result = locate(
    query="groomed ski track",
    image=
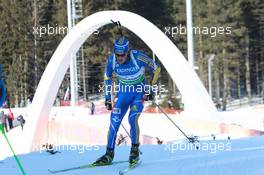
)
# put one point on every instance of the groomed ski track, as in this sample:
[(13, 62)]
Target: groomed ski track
[(240, 157)]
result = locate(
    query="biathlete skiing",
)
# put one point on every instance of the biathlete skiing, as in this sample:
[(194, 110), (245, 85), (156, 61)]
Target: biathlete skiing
[(129, 66)]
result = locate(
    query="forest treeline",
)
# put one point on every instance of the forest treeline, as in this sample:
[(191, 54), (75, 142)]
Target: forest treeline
[(232, 30)]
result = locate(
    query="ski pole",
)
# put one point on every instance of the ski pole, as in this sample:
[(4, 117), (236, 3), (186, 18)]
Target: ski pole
[(15, 156), (119, 27), (128, 134), (125, 130), (191, 140)]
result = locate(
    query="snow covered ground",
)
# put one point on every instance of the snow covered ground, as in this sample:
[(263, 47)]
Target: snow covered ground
[(250, 117), (241, 156), (219, 157)]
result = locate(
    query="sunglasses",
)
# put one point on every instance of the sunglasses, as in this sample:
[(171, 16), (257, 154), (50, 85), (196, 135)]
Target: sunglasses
[(120, 55)]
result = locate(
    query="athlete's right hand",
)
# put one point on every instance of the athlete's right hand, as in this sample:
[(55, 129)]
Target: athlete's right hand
[(108, 104)]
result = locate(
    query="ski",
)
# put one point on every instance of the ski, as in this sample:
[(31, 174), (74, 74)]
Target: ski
[(129, 168), (91, 165)]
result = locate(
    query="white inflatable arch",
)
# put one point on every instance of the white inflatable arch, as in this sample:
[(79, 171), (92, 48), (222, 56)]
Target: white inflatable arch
[(187, 81)]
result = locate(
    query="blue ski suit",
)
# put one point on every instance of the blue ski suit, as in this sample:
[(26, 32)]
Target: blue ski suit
[(130, 91), (2, 87)]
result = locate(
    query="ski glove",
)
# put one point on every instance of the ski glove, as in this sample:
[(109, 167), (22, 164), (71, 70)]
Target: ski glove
[(108, 104), (149, 97)]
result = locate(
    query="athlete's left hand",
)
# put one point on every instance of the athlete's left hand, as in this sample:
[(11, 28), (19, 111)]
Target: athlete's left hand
[(149, 96)]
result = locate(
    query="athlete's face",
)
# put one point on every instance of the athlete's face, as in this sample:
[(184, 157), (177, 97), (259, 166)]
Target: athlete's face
[(121, 58)]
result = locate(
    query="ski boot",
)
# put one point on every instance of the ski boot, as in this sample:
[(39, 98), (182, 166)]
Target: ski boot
[(106, 159), (134, 155)]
